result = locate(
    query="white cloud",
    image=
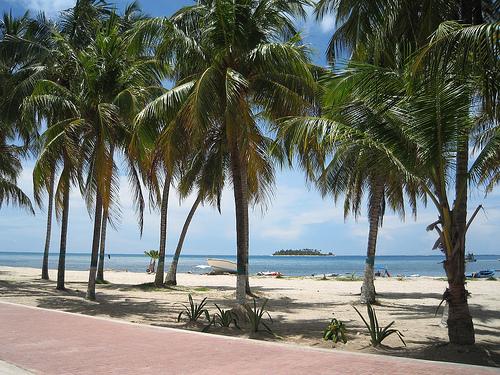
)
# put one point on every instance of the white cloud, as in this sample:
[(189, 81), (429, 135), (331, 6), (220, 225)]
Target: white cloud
[(48, 6)]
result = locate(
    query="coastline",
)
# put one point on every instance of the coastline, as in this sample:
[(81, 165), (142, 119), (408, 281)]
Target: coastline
[(301, 307)]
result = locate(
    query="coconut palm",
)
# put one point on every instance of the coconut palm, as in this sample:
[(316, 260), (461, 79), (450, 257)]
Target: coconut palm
[(240, 65), (201, 178), (132, 14), (440, 104), (108, 86), (337, 154), (10, 168), (11, 74), (153, 255)]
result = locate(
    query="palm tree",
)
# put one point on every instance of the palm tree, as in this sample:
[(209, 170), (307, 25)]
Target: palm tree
[(440, 105), (50, 199), (337, 154), (10, 168), (171, 278), (131, 15), (153, 255), (11, 75), (240, 65)]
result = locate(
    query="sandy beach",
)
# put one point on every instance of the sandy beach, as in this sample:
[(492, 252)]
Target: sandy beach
[(300, 307)]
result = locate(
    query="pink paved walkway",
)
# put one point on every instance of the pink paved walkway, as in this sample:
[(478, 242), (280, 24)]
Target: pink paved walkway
[(51, 342)]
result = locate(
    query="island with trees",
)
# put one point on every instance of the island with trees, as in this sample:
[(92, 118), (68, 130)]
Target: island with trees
[(303, 252)]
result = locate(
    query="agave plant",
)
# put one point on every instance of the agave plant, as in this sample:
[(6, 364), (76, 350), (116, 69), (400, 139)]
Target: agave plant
[(224, 318), (194, 311), (335, 331), (255, 316), (377, 333)]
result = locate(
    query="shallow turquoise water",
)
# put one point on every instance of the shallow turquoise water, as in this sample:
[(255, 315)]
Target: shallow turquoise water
[(287, 265)]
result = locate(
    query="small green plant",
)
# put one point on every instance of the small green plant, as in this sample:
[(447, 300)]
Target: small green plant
[(255, 316), (194, 311), (377, 333), (335, 331), (224, 318)]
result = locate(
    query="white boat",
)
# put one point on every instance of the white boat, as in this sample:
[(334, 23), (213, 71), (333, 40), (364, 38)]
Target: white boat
[(222, 265)]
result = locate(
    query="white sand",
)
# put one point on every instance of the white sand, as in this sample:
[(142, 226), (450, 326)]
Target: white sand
[(300, 307)]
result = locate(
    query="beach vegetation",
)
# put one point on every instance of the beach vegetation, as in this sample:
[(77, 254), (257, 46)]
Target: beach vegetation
[(335, 331), (224, 318), (256, 315), (377, 332), (237, 75), (194, 311), (153, 257)]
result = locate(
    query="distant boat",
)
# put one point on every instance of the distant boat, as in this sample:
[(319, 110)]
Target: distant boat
[(484, 274), (222, 265), (470, 258)]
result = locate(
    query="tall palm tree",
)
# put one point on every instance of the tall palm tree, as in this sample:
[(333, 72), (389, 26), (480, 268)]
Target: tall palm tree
[(240, 65), (377, 32), (338, 155), (131, 15)]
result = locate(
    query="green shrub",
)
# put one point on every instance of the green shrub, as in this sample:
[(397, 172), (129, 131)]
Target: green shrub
[(335, 331), (194, 311), (377, 333), (255, 316)]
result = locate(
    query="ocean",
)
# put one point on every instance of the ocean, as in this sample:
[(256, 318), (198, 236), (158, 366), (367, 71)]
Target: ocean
[(287, 265)]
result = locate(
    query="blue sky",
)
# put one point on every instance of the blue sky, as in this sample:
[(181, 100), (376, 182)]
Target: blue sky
[(296, 217)]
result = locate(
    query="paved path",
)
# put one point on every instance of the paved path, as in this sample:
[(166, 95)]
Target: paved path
[(52, 342)]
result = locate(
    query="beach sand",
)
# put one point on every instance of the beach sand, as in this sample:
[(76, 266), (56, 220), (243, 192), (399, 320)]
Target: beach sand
[(300, 307)]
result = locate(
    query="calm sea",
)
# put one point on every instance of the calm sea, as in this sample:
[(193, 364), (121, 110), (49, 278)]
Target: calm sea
[(287, 265)]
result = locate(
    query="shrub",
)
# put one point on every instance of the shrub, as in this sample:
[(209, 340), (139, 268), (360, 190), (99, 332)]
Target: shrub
[(194, 311), (255, 317), (335, 331), (377, 333)]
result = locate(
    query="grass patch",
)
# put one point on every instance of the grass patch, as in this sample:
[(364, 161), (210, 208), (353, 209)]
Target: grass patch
[(201, 289), (102, 282), (150, 287)]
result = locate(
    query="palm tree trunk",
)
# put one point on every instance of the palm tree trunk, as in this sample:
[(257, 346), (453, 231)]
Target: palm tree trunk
[(61, 268), (163, 231), (102, 246), (460, 325), (172, 272), (45, 263), (368, 287), (240, 189), (95, 247)]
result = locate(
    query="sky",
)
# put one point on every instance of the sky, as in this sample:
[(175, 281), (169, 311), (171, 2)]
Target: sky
[(296, 216)]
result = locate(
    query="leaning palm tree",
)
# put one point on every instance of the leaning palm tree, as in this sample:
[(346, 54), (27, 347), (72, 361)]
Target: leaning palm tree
[(240, 65), (202, 179)]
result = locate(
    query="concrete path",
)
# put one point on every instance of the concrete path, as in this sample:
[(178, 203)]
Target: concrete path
[(52, 342)]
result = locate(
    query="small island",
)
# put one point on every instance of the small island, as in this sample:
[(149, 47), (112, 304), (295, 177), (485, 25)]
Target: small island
[(302, 252)]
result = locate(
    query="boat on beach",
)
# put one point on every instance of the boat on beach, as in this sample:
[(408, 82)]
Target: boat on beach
[(484, 274), (222, 265)]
